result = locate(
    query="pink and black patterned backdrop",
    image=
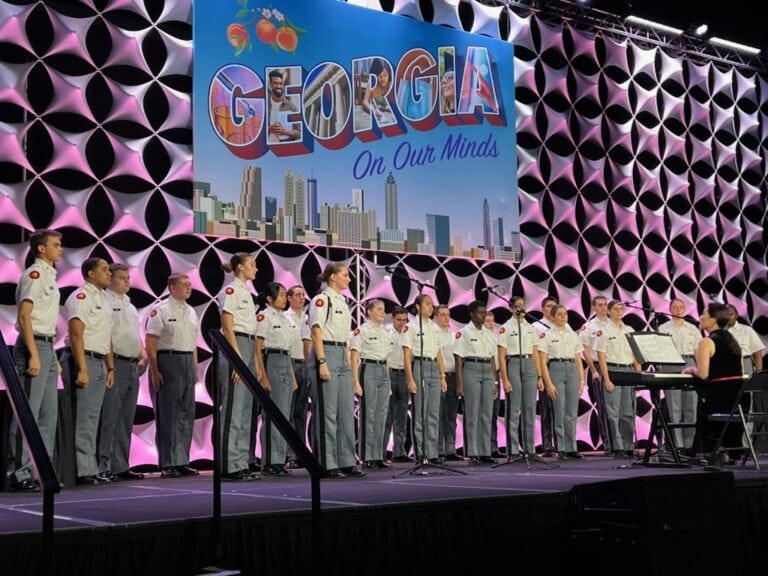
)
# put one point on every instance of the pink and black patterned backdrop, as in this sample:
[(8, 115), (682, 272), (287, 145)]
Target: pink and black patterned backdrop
[(641, 173)]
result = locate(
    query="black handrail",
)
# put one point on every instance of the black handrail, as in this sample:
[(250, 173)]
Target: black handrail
[(38, 454), (303, 454)]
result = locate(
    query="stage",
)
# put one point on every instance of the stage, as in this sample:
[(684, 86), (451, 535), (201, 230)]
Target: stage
[(591, 514)]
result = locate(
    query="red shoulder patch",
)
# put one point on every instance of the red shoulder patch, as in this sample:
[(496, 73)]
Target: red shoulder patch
[(542, 335), (34, 274), (356, 332), (320, 303), (599, 333), (458, 335), (81, 296), (260, 317), (583, 328), (502, 330), (229, 291), (153, 313)]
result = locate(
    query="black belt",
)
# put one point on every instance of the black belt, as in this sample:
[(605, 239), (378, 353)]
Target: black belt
[(298, 360), (244, 335), (42, 338), (560, 360), (518, 355), (126, 358), (369, 361), (397, 369), (277, 351), (687, 355), (96, 355), (174, 352), (424, 358), (478, 360), (616, 365), (334, 343)]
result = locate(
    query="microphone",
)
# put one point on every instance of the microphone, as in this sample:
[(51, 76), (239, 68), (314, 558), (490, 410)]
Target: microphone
[(490, 288), (518, 308)]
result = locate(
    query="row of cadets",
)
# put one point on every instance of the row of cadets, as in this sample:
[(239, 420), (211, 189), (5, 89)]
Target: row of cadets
[(563, 373), (238, 326), (370, 347), (333, 394), (514, 362), (449, 401), (273, 358), (475, 351), (171, 342), (397, 416), (615, 354), (681, 404), (425, 375)]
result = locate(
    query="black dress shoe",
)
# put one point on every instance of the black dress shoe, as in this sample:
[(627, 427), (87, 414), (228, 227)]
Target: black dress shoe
[(629, 453), (548, 453), (454, 457), (382, 465), (274, 470), (619, 454), (26, 485), (170, 473), (369, 464), (352, 472), (403, 458), (106, 476), (575, 455), (434, 461), (474, 461), (497, 454), (186, 470), (129, 475), (564, 456), (487, 459), (293, 465), (87, 480), (239, 476), (252, 475), (255, 466), (335, 473)]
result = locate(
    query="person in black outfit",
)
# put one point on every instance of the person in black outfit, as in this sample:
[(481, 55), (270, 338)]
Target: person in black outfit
[(718, 365)]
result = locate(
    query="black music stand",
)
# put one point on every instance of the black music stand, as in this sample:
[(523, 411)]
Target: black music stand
[(423, 466), (654, 348)]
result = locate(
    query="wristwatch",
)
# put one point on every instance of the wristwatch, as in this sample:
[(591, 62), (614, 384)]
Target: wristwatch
[(321, 360)]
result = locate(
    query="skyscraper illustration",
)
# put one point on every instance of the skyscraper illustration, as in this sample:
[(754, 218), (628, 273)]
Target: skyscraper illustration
[(390, 203), (249, 207)]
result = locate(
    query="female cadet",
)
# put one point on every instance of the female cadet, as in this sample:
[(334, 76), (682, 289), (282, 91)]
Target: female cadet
[(333, 393), (369, 347), (273, 356), (563, 372), (238, 325), (424, 372)]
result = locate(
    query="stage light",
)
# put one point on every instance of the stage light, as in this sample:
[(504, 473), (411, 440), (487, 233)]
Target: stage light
[(652, 24), (734, 45), (699, 30)]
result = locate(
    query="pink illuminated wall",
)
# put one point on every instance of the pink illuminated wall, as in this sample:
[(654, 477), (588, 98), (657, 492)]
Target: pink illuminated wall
[(641, 174)]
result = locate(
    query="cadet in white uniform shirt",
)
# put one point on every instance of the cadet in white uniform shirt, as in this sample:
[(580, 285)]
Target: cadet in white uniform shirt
[(171, 342), (615, 354), (397, 417), (37, 298), (749, 341), (298, 326), (545, 402), (521, 396), (273, 357), (475, 353), (588, 334), (425, 374), (449, 401), (561, 350), (90, 363), (333, 392), (238, 325), (681, 404), (119, 407), (370, 346)]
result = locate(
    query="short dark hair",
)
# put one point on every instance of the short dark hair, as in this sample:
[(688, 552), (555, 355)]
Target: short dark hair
[(398, 310), (40, 238), (475, 305), (118, 266), (275, 74), (90, 264)]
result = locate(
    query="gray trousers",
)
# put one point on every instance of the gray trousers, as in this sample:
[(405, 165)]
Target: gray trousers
[(43, 401), (87, 410), (681, 407), (335, 403), (175, 409), (620, 409), (449, 410), (521, 402), (397, 416), (236, 405), (426, 406), (374, 405), (478, 380), (299, 403), (566, 405), (280, 373), (117, 414)]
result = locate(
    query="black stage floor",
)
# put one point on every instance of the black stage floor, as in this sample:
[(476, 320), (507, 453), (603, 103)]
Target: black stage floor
[(90, 512)]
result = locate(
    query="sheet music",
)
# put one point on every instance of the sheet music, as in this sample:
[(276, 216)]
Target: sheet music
[(654, 348)]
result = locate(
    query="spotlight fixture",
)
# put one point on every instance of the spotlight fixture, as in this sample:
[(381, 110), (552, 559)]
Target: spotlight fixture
[(734, 45), (636, 20)]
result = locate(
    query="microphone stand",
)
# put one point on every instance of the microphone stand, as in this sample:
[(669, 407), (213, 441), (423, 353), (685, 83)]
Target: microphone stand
[(525, 457), (423, 461)]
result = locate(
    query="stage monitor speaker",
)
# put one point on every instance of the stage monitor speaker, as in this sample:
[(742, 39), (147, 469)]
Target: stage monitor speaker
[(673, 524)]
